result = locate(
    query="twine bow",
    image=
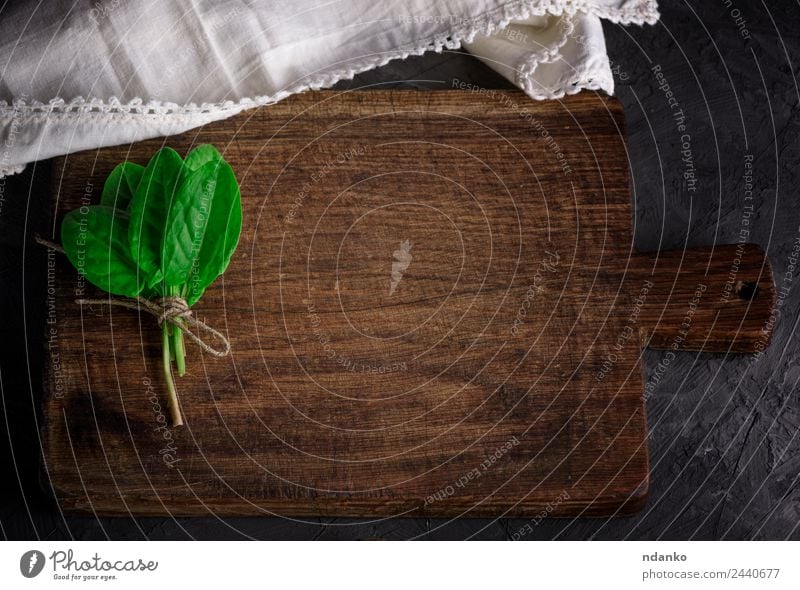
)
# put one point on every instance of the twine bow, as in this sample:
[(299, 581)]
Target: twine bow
[(174, 310)]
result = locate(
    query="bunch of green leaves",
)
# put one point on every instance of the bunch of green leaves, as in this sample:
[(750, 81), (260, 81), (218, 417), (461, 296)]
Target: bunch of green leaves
[(167, 229)]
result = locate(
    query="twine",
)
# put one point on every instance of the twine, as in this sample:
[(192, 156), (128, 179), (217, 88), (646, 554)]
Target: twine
[(173, 310)]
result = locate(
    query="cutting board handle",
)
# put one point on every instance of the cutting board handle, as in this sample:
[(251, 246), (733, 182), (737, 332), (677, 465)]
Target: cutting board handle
[(712, 299)]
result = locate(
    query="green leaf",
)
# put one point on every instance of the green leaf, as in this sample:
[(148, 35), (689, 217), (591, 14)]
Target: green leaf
[(203, 228), (149, 209), (221, 235), (202, 277), (121, 185), (202, 155), (95, 240), (168, 229), (153, 292)]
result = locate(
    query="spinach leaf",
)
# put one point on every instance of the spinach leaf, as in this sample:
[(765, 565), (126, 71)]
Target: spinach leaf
[(121, 184), (221, 235), (166, 230), (95, 240), (203, 228), (149, 208), (201, 155)]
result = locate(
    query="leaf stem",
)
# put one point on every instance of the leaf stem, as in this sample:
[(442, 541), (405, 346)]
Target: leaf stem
[(172, 348), (177, 341), (174, 409), (180, 353)]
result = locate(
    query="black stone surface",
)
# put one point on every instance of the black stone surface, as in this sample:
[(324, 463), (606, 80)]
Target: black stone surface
[(723, 428)]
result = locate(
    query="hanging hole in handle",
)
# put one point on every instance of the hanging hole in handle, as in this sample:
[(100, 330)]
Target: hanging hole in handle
[(747, 290)]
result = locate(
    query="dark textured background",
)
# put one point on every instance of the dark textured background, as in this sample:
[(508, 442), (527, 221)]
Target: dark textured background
[(724, 442)]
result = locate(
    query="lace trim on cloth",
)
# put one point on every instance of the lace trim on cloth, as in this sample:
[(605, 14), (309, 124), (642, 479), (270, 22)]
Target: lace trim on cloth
[(528, 66), (584, 78), (551, 52), (588, 76), (486, 24), (9, 170), (592, 78)]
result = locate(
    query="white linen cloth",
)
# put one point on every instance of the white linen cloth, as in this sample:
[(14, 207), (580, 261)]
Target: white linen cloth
[(79, 74)]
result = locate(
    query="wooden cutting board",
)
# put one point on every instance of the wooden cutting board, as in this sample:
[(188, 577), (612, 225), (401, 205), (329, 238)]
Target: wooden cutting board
[(435, 309)]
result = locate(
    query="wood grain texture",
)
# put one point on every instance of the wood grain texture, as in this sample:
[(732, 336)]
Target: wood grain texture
[(711, 299), (424, 307)]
